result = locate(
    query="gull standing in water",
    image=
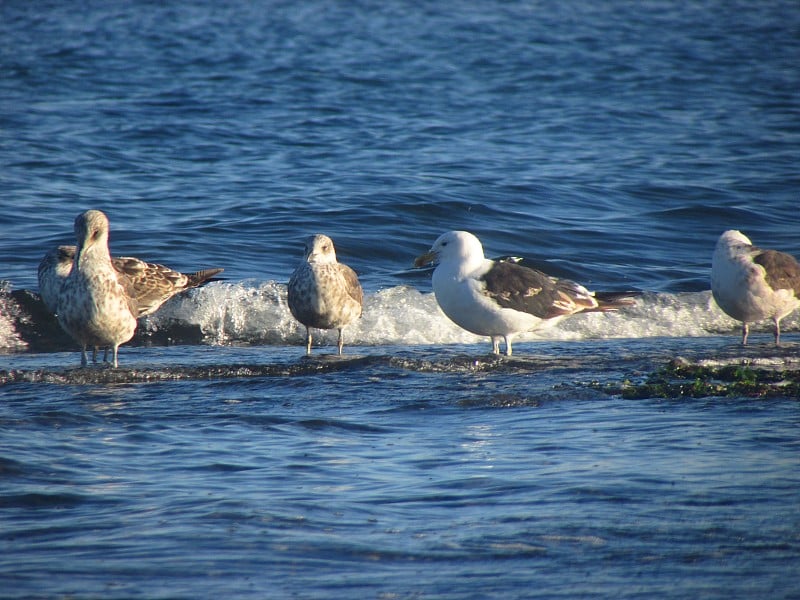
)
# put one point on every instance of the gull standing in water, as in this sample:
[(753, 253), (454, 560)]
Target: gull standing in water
[(96, 305), (751, 284), (323, 293), (500, 299)]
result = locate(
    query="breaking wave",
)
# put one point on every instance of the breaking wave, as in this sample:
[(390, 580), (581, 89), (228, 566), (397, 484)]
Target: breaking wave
[(256, 313)]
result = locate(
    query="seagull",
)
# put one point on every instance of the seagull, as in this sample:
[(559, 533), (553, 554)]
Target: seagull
[(323, 293), (153, 284), (500, 299), (750, 284), (96, 305)]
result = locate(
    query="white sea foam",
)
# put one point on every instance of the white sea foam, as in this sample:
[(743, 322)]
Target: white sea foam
[(10, 340), (257, 312)]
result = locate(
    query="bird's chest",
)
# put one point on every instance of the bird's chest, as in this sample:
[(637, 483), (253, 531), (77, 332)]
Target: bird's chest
[(319, 284), (465, 301), (96, 305)]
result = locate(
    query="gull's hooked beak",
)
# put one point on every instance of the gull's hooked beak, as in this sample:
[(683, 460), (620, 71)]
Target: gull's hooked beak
[(423, 260)]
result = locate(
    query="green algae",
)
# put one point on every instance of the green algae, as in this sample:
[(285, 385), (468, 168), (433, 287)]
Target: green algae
[(682, 379)]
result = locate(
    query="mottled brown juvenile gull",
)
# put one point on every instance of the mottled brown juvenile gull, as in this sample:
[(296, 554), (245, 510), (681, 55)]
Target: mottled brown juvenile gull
[(95, 304), (323, 293), (152, 284), (751, 284), (500, 299)]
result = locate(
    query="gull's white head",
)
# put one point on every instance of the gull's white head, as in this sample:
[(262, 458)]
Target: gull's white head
[(458, 247), (733, 242), (319, 250)]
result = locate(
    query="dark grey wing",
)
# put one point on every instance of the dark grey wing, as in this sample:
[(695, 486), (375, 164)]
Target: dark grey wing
[(783, 270), (531, 291)]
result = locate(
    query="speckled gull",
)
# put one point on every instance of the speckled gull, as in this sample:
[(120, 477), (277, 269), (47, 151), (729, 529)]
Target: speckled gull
[(153, 284), (96, 305), (750, 284), (323, 293), (501, 299)]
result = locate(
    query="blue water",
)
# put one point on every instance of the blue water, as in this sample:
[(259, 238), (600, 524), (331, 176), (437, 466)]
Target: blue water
[(608, 142)]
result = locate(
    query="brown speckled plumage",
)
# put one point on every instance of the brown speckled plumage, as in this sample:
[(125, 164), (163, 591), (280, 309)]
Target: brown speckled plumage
[(323, 293), (152, 284), (95, 304)]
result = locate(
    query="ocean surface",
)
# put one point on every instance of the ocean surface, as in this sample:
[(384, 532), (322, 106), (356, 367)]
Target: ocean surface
[(608, 142)]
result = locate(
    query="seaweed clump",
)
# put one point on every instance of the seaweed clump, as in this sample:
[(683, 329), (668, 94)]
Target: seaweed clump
[(682, 379)]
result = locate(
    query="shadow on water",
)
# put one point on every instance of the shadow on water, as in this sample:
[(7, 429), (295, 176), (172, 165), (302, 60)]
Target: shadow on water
[(306, 366), (631, 369)]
